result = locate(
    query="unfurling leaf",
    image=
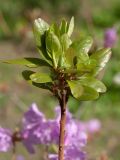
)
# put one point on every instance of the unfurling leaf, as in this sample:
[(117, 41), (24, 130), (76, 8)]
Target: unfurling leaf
[(65, 42), (71, 27), (63, 27), (53, 47), (55, 29), (39, 28)]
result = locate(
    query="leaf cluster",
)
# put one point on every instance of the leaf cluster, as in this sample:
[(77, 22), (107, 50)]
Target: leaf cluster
[(71, 68)]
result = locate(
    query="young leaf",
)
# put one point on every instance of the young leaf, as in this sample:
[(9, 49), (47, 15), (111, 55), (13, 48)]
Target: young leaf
[(55, 29), (86, 66), (102, 56), (39, 28), (83, 68), (63, 27), (40, 78), (26, 75), (44, 54), (93, 83), (83, 93), (70, 55), (89, 94), (71, 27), (65, 42), (76, 89), (53, 47), (29, 62), (82, 47)]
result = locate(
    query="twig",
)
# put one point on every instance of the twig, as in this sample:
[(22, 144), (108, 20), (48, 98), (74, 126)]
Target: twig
[(14, 152), (62, 126)]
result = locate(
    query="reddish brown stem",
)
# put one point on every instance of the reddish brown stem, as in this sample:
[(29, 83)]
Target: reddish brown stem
[(14, 152), (63, 102)]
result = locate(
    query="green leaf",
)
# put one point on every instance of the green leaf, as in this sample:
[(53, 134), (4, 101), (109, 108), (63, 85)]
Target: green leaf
[(44, 54), (53, 47), (76, 89), (52, 44), (102, 56), (82, 66), (40, 78), (70, 71), (89, 94), (26, 75), (86, 66), (71, 27), (70, 55), (93, 83), (47, 85), (39, 29), (63, 27), (82, 47), (65, 42), (92, 63), (83, 93), (29, 62), (55, 29)]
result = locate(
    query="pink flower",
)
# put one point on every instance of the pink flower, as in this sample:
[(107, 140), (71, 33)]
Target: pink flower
[(110, 37)]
